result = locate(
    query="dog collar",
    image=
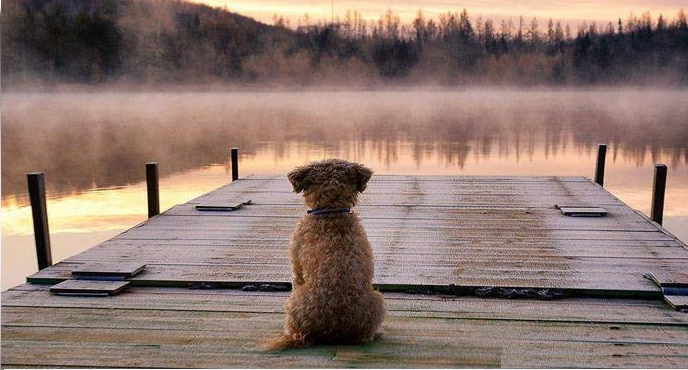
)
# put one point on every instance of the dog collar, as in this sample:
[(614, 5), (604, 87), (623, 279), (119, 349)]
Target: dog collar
[(324, 211)]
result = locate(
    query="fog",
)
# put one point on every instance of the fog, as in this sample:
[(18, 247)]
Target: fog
[(101, 139)]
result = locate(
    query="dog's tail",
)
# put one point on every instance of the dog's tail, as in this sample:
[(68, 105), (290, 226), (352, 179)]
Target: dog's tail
[(284, 341)]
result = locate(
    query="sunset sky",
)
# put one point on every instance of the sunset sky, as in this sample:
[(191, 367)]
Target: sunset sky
[(573, 11)]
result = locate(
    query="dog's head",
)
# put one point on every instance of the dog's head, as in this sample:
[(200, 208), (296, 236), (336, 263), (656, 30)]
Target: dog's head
[(330, 183)]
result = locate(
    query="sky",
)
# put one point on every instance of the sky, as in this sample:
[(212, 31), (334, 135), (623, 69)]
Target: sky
[(574, 11)]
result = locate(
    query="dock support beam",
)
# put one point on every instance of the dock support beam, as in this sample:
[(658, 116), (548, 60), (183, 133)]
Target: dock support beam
[(153, 189), (39, 212), (658, 188), (235, 164), (599, 168)]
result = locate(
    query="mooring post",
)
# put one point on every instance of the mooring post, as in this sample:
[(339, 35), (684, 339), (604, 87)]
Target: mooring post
[(599, 168), (658, 188), (39, 212), (235, 164), (153, 189)]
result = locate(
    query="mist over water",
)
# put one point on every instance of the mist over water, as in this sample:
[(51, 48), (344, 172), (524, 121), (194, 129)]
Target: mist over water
[(92, 140), (93, 146)]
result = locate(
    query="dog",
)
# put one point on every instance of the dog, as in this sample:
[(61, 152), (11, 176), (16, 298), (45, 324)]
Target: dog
[(332, 299)]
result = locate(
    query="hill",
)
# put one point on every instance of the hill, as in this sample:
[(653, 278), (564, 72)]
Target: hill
[(91, 41)]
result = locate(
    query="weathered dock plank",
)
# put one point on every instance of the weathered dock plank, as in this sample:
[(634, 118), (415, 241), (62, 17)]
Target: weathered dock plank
[(427, 232), (465, 242), (153, 327), (580, 276), (263, 248), (573, 309)]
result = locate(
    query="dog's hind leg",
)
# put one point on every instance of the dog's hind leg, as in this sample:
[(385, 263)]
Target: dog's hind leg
[(380, 311), (368, 327)]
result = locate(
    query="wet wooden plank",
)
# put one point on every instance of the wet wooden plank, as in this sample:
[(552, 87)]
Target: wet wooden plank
[(423, 185), (171, 328), (541, 199), (435, 352), (508, 191), (459, 178), (404, 257), (573, 309), (443, 178), (415, 245), (486, 244), (238, 230), (373, 225), (214, 326), (610, 277), (249, 251), (422, 212)]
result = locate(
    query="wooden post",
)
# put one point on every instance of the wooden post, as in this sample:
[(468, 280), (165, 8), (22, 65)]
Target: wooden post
[(658, 187), (235, 164), (153, 190), (39, 212), (599, 168)]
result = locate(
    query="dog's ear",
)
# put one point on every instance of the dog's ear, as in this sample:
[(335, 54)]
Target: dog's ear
[(299, 178), (362, 175)]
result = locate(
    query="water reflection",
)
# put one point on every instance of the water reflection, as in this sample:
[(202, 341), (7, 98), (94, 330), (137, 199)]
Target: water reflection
[(92, 147), (86, 141)]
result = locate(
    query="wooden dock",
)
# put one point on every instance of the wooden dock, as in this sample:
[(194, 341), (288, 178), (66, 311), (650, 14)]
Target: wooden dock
[(448, 250)]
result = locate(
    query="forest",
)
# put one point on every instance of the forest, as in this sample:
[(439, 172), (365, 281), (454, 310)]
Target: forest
[(169, 42)]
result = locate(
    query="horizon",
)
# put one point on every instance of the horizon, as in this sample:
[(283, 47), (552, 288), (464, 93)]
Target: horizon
[(573, 12)]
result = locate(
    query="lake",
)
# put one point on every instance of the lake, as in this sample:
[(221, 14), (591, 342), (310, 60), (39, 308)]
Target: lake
[(92, 147)]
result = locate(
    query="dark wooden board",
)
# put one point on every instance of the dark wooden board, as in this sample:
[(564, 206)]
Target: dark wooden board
[(670, 278), (109, 269), (677, 302), (583, 211), (223, 205), (89, 287)]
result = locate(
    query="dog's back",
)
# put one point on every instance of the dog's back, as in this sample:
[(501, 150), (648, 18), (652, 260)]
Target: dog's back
[(332, 300), (336, 301)]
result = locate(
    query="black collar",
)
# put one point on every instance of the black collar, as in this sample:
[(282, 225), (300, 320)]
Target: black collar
[(324, 211)]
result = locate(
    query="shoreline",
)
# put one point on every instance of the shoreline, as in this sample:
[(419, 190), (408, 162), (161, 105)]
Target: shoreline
[(266, 88)]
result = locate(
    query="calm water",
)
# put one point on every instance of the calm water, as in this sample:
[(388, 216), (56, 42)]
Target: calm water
[(93, 146)]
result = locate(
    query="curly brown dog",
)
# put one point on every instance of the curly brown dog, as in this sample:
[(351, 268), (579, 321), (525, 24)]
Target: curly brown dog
[(332, 300)]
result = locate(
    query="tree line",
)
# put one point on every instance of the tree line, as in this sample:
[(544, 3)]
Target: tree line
[(173, 42)]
